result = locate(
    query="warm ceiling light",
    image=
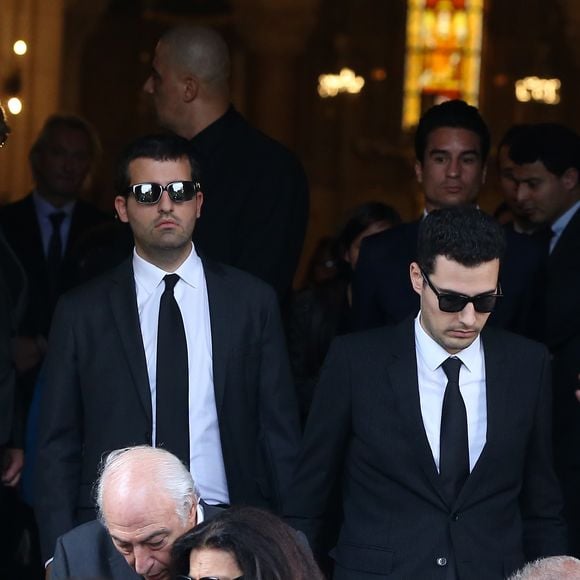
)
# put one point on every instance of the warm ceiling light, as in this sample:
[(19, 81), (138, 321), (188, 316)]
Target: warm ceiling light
[(345, 82), (14, 105), (20, 47)]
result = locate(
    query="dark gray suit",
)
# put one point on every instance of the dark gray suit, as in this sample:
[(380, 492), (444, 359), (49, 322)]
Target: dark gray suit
[(87, 553), (366, 420), (97, 396)]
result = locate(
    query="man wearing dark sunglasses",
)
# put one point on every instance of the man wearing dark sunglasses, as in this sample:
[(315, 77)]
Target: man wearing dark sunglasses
[(441, 428), (452, 143), (168, 349)]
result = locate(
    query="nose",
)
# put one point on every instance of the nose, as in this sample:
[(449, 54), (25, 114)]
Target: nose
[(467, 315), (148, 85), (453, 167), (522, 191), (142, 561), (164, 205)]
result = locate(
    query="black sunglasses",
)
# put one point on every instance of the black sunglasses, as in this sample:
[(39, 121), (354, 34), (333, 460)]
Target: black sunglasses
[(178, 191), (455, 302)]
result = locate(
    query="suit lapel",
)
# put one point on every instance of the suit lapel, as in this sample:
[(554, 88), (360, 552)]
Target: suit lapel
[(402, 372), (219, 313), (123, 301)]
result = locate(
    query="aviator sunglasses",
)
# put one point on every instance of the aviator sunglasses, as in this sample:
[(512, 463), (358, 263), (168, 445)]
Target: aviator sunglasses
[(455, 302), (150, 193)]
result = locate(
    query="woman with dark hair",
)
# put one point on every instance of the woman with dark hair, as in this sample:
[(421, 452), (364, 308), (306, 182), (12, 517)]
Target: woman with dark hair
[(322, 311), (243, 542)]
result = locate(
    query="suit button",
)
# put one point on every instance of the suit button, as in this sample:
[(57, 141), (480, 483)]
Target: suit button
[(441, 561), (455, 517)]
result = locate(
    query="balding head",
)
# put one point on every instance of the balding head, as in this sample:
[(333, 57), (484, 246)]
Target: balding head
[(553, 568), (189, 81), (146, 499)]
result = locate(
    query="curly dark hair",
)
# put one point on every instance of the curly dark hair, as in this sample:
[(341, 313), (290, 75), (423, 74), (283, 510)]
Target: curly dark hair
[(264, 547), (463, 234)]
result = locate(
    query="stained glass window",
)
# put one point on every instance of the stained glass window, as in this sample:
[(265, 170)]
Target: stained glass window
[(443, 54)]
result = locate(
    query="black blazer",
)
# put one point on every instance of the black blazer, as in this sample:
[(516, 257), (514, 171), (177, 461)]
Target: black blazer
[(382, 292), (366, 416), (20, 226), (88, 552), (97, 395)]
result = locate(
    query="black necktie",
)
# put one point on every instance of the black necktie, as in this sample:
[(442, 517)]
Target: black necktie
[(454, 448), (172, 383), (54, 255)]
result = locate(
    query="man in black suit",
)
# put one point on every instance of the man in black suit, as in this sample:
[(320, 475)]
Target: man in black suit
[(547, 173), (43, 227), (451, 147), (146, 498), (441, 427), (214, 388), (256, 193)]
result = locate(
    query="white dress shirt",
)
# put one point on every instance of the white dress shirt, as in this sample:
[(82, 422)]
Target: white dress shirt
[(206, 458), (432, 382), (43, 212), (560, 224)]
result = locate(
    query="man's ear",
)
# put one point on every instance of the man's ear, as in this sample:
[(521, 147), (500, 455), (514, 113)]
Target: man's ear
[(190, 89), (121, 208), (199, 202), (419, 171), (416, 277), (569, 178), (484, 174)]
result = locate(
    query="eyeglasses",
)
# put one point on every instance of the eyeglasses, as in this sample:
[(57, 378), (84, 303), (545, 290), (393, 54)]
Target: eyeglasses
[(207, 578), (455, 302), (150, 193)]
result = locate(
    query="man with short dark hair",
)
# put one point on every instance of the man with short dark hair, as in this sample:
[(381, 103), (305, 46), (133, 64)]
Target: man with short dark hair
[(547, 174), (451, 148), (146, 499), (440, 425), (256, 193), (167, 349)]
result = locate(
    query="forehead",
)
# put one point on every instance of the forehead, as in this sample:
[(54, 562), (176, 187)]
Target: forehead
[(469, 280), (134, 517), (453, 139), (68, 137), (163, 171)]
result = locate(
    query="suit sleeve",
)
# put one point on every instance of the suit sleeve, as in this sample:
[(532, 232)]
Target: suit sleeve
[(541, 499), (6, 369), (59, 434), (326, 436), (279, 419)]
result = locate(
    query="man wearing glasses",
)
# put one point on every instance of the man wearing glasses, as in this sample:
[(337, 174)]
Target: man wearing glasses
[(440, 425), (168, 349)]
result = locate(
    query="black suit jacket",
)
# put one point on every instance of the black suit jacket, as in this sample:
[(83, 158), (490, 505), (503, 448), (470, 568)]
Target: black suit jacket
[(97, 395), (255, 207), (397, 522), (382, 291), (87, 553), (20, 226)]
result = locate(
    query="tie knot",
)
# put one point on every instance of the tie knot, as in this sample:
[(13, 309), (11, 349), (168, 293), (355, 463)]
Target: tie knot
[(170, 282), (56, 219), (451, 368)]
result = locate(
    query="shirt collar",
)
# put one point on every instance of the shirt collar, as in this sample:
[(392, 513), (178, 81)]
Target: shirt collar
[(149, 276), (45, 209), (433, 354), (560, 224)]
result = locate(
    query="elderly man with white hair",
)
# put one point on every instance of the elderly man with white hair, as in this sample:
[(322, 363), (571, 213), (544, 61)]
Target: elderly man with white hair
[(146, 499), (553, 568)]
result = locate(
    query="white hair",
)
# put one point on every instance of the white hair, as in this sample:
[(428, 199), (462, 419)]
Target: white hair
[(164, 471), (552, 568)]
